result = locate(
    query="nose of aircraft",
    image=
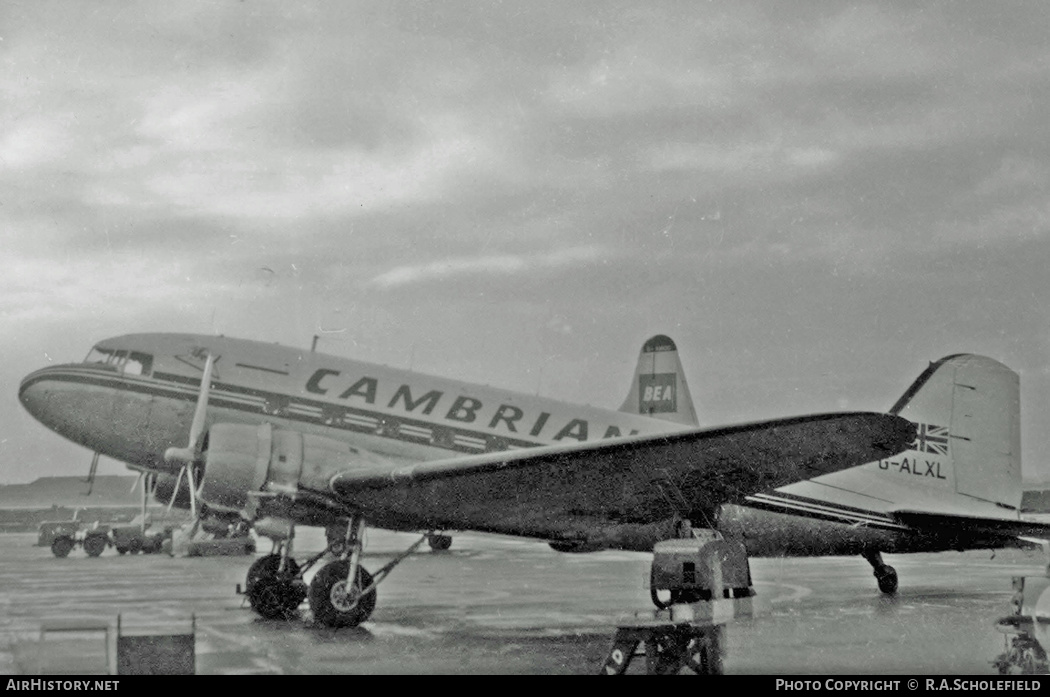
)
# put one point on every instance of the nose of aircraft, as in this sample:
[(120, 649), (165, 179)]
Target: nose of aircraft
[(39, 391), (32, 393)]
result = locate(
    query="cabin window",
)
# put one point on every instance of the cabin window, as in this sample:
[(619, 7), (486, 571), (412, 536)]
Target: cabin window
[(138, 364)]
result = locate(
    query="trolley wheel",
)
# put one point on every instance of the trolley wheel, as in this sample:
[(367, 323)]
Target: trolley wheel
[(94, 545), (61, 547)]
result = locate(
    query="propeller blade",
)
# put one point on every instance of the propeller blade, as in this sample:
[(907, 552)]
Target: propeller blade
[(193, 491), (202, 404), (175, 492), (188, 455)]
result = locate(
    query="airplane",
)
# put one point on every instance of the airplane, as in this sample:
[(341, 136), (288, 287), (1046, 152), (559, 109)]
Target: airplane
[(283, 437)]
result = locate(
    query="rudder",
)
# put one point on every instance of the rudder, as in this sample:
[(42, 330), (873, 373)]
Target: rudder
[(659, 387), (967, 408)]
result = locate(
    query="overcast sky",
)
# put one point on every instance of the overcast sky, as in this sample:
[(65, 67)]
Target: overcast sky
[(813, 199)]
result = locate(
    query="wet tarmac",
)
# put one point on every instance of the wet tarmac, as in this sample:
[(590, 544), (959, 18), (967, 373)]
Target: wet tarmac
[(501, 605)]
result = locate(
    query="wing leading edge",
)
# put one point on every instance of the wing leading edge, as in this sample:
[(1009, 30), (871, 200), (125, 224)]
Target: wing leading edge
[(608, 491)]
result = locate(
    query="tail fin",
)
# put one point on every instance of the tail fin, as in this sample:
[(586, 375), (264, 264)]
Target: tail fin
[(968, 411), (659, 389)]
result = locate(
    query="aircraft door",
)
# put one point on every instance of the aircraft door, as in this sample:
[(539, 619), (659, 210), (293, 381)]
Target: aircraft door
[(985, 439)]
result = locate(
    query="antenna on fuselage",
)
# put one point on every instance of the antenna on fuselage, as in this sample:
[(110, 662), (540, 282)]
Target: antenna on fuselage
[(313, 346)]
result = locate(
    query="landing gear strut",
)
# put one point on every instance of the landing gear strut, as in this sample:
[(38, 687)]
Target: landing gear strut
[(338, 603), (341, 594), (885, 575)]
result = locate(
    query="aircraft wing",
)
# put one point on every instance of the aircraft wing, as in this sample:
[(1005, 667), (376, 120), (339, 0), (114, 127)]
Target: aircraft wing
[(970, 527), (589, 491)]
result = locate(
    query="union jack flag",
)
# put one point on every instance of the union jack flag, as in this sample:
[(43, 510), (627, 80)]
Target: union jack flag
[(931, 439)]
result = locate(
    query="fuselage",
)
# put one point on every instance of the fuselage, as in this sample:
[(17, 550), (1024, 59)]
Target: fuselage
[(134, 397)]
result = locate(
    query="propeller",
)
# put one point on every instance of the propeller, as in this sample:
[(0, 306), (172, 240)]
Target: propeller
[(187, 457), (148, 481)]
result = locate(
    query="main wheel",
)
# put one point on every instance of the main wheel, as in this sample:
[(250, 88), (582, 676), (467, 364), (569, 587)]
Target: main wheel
[(61, 547), (887, 579), (439, 543), (272, 594), (333, 604), (135, 545), (94, 545)]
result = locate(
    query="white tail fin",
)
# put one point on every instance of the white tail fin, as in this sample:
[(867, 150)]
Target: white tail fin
[(968, 411), (965, 460), (659, 389)]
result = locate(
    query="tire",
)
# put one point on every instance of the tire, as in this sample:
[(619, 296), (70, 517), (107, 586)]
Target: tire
[(122, 551), (439, 543), (94, 545), (135, 545), (887, 580), (273, 596), (328, 597), (61, 547)]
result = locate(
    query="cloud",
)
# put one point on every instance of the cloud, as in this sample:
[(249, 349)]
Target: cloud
[(777, 159), (501, 170), (492, 266)]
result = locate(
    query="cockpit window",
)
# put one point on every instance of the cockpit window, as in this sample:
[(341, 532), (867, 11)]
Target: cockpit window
[(104, 356), (130, 363)]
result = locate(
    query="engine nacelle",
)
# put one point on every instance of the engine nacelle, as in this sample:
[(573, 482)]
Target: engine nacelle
[(165, 488), (244, 460)]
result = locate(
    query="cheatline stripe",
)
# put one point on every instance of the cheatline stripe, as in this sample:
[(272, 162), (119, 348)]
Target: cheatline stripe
[(821, 509), (785, 496), (818, 505)]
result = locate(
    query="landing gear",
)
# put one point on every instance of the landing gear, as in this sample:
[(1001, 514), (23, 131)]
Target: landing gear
[(341, 594), (274, 592), (439, 543), (338, 603), (885, 575)]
